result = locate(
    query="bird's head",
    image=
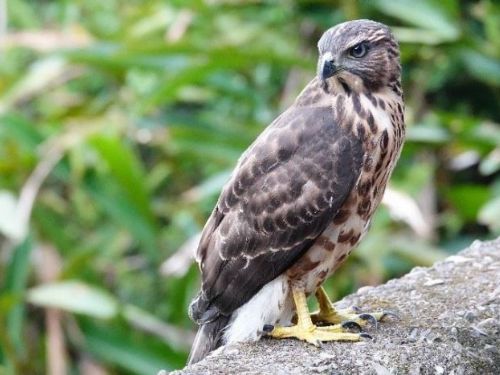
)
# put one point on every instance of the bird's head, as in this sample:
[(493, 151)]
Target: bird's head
[(359, 50)]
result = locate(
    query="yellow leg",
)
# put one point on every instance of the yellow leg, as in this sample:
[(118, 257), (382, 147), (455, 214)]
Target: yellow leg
[(329, 315), (305, 329)]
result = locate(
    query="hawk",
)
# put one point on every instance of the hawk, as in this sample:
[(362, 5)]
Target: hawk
[(301, 197)]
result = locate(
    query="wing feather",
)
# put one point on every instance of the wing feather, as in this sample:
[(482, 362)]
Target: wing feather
[(285, 190)]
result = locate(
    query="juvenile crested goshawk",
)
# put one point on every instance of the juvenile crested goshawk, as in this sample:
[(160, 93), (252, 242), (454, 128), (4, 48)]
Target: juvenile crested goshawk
[(301, 197)]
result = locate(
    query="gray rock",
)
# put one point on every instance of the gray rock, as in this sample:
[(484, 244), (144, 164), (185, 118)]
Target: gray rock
[(449, 324)]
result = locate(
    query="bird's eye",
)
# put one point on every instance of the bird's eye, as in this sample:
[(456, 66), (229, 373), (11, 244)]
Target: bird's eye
[(359, 50)]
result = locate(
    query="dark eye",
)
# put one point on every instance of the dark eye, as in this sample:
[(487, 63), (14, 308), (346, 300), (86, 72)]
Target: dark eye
[(359, 50)]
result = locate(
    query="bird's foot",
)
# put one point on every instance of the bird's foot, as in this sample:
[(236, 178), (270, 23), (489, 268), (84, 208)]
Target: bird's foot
[(341, 322), (315, 334), (348, 318)]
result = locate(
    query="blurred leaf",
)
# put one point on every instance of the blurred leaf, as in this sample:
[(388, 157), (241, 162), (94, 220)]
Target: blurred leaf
[(16, 127), (427, 134), (486, 132), (128, 172), (425, 13), (16, 281), (221, 59), (491, 163), (121, 349), (10, 225), (418, 252), (110, 197), (41, 74), (489, 214), (414, 35), (482, 67), (467, 199), (173, 336), (74, 296), (209, 187)]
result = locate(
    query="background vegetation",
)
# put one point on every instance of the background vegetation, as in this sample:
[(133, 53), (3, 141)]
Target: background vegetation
[(120, 121)]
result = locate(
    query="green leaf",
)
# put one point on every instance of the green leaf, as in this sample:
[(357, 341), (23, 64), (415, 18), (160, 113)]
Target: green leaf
[(209, 187), (127, 170), (109, 195), (484, 68), (22, 131), (491, 163), (10, 224), (417, 35), (467, 199), (489, 214), (76, 297), (16, 280), (173, 336), (427, 134), (426, 14), (123, 350), (41, 74)]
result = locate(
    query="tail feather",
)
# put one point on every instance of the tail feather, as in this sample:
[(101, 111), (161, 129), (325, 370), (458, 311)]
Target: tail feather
[(208, 338)]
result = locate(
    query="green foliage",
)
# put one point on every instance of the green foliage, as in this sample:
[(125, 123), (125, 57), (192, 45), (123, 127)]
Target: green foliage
[(120, 121)]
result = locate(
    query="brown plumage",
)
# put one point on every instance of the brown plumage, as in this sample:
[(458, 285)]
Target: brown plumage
[(303, 193)]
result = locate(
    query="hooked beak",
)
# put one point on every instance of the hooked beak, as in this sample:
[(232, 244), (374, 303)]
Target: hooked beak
[(327, 67)]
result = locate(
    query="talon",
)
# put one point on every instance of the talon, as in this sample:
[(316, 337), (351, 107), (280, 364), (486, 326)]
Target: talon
[(356, 309), (350, 324), (385, 314), (311, 328), (369, 318), (268, 328), (365, 335), (305, 329)]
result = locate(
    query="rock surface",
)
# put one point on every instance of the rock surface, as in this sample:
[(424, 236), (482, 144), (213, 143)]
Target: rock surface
[(449, 324)]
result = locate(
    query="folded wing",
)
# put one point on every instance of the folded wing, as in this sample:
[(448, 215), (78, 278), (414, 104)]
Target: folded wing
[(284, 192)]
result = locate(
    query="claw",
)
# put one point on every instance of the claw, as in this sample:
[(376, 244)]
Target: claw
[(369, 318), (350, 324), (268, 328), (356, 309), (385, 314), (365, 335)]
